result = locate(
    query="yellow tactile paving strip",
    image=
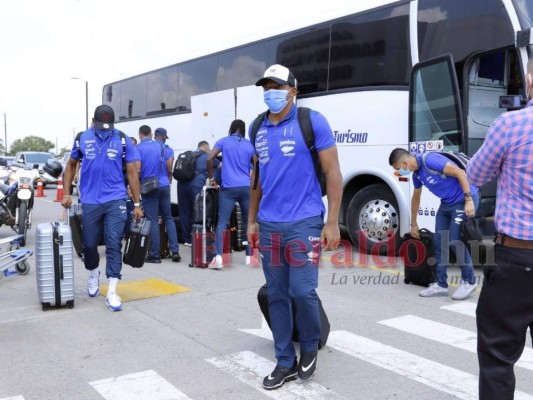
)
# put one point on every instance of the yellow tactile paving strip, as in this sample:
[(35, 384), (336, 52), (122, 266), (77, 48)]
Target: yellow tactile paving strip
[(145, 289)]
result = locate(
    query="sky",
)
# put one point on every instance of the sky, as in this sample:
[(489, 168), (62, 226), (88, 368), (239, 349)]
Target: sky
[(46, 43)]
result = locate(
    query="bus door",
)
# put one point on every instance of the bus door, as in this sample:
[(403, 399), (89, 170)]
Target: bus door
[(491, 80), (435, 120)]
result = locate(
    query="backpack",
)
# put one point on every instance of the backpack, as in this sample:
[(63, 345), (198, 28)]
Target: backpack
[(461, 159), (185, 166), (304, 120)]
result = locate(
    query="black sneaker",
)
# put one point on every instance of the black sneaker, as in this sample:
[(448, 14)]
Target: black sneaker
[(279, 376), (176, 257), (152, 260), (307, 366)]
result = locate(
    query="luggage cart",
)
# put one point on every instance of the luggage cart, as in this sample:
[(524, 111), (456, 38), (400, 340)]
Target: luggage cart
[(17, 257)]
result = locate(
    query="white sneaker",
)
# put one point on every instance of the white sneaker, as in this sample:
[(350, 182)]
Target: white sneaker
[(113, 301), (216, 263), (93, 285), (464, 291), (187, 244), (248, 261), (434, 290)]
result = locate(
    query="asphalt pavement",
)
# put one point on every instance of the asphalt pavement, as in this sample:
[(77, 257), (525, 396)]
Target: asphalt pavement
[(210, 342)]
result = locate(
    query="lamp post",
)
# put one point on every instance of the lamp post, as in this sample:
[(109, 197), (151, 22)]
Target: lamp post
[(86, 100)]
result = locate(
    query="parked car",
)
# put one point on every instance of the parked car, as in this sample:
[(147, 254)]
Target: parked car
[(31, 158), (6, 161)]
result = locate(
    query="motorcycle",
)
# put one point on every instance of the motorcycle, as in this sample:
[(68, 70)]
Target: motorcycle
[(16, 203)]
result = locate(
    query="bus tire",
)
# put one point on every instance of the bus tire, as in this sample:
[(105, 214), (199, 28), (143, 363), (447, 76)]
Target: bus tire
[(373, 217)]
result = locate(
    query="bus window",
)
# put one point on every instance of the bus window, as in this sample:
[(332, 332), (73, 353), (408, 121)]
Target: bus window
[(162, 91), (462, 28), (196, 77), (133, 98), (435, 112), (371, 49), (306, 53), (241, 67)]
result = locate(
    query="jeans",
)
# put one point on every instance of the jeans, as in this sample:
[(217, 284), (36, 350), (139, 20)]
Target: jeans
[(227, 197), (186, 196), (290, 252), (504, 312), (108, 219), (155, 205), (448, 235)]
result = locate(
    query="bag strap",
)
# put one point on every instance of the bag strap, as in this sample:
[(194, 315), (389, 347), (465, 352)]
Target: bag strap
[(306, 127), (122, 141)]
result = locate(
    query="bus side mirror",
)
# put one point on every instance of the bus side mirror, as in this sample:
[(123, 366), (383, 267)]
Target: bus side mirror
[(512, 102)]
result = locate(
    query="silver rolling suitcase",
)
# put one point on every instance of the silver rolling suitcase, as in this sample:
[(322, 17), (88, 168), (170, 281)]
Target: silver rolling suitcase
[(54, 265)]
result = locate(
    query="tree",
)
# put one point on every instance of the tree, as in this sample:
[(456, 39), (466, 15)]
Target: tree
[(63, 151), (31, 143)]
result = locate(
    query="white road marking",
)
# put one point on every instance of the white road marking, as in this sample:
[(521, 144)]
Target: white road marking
[(263, 332), (463, 307), (251, 368), (441, 377), (146, 385), (446, 334), (14, 398)]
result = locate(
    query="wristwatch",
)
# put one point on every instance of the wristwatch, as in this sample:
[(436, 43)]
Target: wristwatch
[(467, 194), (136, 204)]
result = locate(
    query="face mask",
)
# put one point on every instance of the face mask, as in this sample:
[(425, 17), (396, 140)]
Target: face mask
[(276, 99), (404, 172)]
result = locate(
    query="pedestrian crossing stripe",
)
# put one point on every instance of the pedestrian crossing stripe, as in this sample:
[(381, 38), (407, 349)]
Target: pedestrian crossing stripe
[(438, 376), (250, 368), (464, 307), (146, 385), (447, 334), (14, 398)]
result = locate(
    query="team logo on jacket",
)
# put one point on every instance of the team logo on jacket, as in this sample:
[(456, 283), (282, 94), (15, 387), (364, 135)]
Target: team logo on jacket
[(112, 154), (287, 147)]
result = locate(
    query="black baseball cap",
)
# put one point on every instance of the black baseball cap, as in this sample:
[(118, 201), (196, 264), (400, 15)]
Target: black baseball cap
[(104, 117)]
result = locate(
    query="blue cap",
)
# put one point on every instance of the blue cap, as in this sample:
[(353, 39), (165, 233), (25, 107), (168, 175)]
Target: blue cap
[(161, 132)]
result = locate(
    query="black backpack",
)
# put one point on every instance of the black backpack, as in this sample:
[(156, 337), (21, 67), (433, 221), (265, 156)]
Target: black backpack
[(304, 120), (185, 166)]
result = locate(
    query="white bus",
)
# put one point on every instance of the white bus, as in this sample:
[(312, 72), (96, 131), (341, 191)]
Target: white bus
[(421, 73)]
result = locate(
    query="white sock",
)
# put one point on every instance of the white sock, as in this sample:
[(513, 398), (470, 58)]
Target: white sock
[(112, 285), (94, 273)]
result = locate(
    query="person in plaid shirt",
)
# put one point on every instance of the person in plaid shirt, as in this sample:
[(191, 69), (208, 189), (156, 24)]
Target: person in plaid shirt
[(505, 306)]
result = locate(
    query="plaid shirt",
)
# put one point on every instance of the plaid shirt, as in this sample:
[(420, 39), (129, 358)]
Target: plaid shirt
[(508, 152)]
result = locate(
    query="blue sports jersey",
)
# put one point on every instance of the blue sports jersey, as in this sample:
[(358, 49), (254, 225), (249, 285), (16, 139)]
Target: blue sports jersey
[(102, 174), (237, 153), (446, 188), (150, 152), (291, 190)]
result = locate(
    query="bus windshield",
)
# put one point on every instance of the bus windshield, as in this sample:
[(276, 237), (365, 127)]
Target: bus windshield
[(524, 9)]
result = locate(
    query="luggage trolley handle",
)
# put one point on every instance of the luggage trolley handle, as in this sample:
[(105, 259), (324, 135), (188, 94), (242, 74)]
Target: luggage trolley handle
[(204, 218)]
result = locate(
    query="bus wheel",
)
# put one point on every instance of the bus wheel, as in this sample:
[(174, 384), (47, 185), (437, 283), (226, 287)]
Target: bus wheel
[(373, 221)]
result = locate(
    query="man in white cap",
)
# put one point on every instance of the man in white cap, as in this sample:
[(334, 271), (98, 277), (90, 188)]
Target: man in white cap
[(287, 211)]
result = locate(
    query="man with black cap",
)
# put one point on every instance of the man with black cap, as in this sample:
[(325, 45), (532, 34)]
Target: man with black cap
[(156, 159), (286, 217), (104, 150)]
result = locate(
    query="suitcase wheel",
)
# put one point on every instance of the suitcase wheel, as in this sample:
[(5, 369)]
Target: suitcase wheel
[(23, 268), (70, 304), (406, 281), (45, 306)]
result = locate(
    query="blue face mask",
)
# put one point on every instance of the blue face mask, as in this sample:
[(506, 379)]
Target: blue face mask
[(404, 172), (276, 99)]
